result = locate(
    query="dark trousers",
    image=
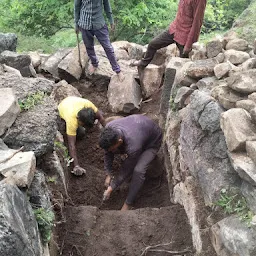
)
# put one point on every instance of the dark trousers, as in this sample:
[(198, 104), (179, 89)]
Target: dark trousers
[(140, 168), (103, 37), (160, 41)]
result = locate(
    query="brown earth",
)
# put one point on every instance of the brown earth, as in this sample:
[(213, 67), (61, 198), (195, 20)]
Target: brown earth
[(88, 230)]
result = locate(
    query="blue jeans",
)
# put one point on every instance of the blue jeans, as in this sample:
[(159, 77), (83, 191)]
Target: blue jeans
[(103, 37)]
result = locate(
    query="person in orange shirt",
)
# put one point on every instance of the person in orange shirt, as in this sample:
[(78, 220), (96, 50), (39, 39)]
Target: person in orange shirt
[(184, 31), (77, 113)]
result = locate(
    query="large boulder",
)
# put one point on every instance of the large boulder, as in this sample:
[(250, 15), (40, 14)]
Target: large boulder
[(23, 87), (237, 44), (237, 127), (235, 236), (203, 151), (9, 109), (213, 48), (201, 68), (244, 166), (19, 234), (70, 68), (35, 129), (244, 82), (226, 96), (8, 42), (50, 65), (151, 79), (22, 62), (62, 90), (124, 97), (236, 57), (17, 167)]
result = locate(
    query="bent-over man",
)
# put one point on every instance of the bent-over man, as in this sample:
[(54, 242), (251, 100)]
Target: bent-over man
[(138, 137), (78, 113)]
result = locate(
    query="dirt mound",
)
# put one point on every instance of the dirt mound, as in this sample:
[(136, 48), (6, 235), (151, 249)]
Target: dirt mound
[(92, 232)]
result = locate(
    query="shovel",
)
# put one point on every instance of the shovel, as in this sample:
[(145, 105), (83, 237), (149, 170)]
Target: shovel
[(79, 53)]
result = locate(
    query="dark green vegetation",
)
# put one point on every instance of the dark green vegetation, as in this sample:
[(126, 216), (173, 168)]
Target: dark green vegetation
[(136, 20)]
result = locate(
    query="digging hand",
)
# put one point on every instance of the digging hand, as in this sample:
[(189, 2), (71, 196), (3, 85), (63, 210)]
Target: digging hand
[(78, 170), (107, 181), (107, 193)]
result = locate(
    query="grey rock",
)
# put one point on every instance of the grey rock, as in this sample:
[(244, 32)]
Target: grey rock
[(248, 105), (244, 166), (237, 44), (210, 117), (206, 158), (226, 96), (35, 129), (205, 153), (62, 90), (253, 115), (237, 237), (201, 68), (182, 95), (124, 97), (50, 65), (198, 101), (207, 83), (22, 62), (69, 67), (220, 57), (243, 82), (249, 192), (151, 79), (213, 48), (8, 41), (222, 69), (39, 194), (251, 150), (249, 64), (237, 127), (23, 87), (9, 109), (135, 51), (35, 58), (252, 97), (19, 232), (19, 169), (236, 57)]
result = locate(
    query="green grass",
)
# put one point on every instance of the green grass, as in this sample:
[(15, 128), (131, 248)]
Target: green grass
[(31, 100), (204, 38), (62, 39), (233, 203), (64, 150), (45, 219)]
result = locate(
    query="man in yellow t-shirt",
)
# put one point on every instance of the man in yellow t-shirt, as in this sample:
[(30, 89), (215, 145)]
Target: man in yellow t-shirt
[(78, 112)]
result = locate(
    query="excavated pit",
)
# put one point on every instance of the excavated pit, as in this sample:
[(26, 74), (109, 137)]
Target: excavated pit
[(93, 229)]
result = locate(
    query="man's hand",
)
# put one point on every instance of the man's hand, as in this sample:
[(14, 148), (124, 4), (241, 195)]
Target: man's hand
[(112, 27), (107, 181), (78, 170), (107, 193), (185, 53)]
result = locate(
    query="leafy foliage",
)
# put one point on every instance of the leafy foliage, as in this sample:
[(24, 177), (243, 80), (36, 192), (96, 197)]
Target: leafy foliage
[(44, 218), (31, 101), (220, 14), (136, 20), (41, 17), (60, 146), (234, 203)]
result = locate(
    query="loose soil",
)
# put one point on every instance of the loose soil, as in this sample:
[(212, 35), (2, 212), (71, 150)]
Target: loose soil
[(92, 228)]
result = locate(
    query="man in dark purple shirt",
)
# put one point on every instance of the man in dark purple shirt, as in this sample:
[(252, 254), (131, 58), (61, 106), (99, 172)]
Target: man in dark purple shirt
[(138, 137)]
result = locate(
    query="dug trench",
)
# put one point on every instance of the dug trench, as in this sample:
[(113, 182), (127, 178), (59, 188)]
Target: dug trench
[(89, 227)]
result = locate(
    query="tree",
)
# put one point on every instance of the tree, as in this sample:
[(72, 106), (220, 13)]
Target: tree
[(41, 17)]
